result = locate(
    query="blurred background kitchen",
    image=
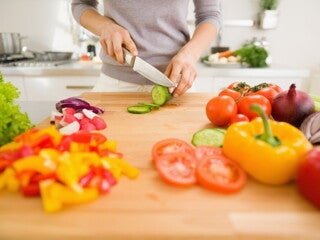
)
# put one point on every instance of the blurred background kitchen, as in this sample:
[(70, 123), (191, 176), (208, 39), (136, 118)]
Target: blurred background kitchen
[(292, 39)]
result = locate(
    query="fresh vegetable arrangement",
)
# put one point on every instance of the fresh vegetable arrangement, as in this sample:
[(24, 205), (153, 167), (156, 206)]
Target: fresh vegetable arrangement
[(249, 55), (12, 121), (233, 103), (180, 164), (160, 96), (291, 106), (62, 169)]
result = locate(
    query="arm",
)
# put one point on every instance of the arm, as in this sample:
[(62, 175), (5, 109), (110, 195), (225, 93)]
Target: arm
[(111, 35), (183, 63)]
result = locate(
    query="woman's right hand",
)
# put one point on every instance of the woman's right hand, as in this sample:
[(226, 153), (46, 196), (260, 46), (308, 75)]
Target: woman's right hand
[(113, 37)]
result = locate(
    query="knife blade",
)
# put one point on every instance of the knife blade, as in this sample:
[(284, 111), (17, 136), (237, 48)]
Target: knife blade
[(147, 70)]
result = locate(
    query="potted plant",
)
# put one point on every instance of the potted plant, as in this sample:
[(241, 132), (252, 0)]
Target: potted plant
[(268, 16)]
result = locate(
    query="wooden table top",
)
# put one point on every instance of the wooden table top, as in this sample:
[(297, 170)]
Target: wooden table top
[(148, 208)]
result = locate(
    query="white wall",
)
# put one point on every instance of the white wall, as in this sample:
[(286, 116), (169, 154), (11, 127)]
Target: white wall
[(295, 42)]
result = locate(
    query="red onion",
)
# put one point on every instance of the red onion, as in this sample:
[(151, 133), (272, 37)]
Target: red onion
[(311, 127), (78, 104), (292, 106)]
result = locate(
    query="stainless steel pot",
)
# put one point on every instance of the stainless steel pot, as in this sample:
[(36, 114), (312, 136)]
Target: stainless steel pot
[(10, 43), (59, 56)]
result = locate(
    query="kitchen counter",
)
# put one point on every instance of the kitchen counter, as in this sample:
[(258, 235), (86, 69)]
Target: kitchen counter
[(148, 208), (84, 68)]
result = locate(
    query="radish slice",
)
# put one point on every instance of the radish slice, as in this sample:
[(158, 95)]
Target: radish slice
[(88, 113), (70, 128), (78, 115)]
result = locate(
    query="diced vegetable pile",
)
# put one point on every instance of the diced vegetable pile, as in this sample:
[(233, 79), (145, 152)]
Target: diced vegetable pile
[(62, 169)]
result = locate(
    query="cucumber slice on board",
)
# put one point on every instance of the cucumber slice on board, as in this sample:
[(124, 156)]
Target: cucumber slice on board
[(139, 109), (160, 95), (151, 105), (209, 137)]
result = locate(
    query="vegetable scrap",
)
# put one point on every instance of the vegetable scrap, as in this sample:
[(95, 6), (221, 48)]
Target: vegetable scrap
[(62, 169)]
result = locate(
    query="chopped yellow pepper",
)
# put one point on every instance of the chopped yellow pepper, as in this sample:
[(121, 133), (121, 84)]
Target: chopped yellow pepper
[(55, 195), (36, 163), (9, 181), (271, 159), (126, 168)]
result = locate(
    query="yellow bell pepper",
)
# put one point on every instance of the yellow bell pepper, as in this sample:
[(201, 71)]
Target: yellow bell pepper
[(55, 195), (271, 159)]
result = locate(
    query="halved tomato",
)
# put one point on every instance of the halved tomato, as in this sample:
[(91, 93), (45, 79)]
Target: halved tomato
[(177, 169), (220, 174), (171, 145)]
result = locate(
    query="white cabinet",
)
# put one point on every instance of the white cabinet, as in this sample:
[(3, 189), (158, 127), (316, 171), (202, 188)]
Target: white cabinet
[(18, 82), (55, 88)]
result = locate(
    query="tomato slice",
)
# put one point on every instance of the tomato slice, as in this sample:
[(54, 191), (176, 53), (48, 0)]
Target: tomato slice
[(220, 174), (177, 169), (171, 145), (206, 151)]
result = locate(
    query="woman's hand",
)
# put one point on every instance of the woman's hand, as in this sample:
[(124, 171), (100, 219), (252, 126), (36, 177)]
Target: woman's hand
[(113, 37), (181, 70)]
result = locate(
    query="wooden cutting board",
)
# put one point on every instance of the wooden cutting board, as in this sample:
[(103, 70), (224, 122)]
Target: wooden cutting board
[(148, 208)]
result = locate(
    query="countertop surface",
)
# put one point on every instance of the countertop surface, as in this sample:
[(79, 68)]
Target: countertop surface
[(148, 208), (87, 68)]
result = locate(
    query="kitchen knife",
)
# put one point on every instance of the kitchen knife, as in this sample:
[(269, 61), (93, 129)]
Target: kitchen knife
[(148, 71)]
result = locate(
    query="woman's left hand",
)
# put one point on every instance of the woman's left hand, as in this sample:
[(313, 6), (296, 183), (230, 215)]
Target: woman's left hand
[(181, 70)]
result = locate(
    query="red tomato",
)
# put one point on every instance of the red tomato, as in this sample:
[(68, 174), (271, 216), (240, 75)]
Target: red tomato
[(241, 87), (220, 174), (230, 92), (221, 109), (239, 118), (177, 169), (245, 103), (267, 92), (205, 151), (171, 145), (308, 177), (275, 87)]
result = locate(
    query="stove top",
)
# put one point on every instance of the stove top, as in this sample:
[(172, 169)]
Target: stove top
[(23, 61)]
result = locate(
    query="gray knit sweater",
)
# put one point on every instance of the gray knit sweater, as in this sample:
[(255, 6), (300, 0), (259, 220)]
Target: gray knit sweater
[(158, 28)]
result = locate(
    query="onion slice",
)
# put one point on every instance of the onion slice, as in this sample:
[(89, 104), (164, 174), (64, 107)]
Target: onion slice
[(78, 104), (310, 127)]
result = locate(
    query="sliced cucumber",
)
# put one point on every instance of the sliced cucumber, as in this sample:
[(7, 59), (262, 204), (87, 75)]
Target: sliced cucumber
[(209, 137), (139, 109), (160, 95), (151, 105), (316, 100)]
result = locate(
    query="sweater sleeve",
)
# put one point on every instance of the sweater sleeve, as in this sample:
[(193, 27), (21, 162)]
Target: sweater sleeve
[(79, 6), (208, 11)]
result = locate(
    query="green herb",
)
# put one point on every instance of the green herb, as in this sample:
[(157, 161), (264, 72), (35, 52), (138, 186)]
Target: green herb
[(12, 121), (254, 56), (269, 4)]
